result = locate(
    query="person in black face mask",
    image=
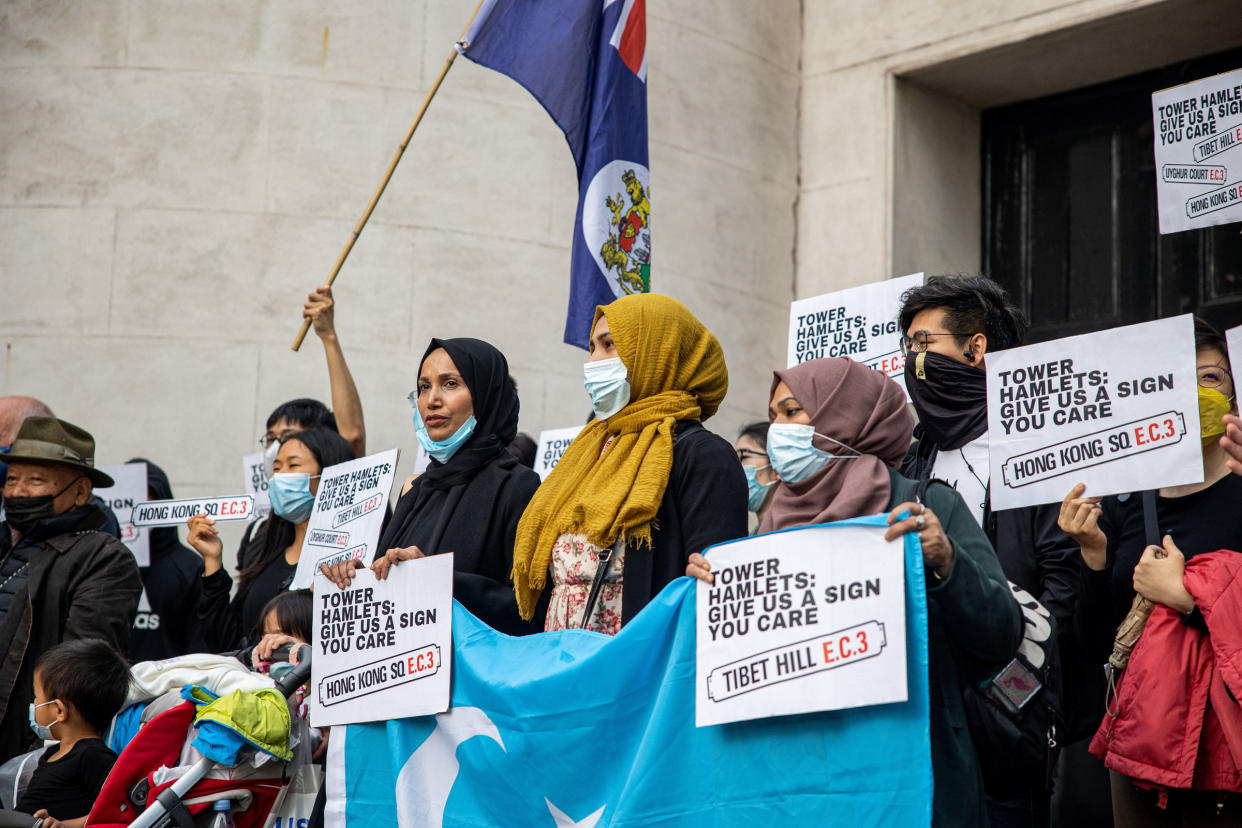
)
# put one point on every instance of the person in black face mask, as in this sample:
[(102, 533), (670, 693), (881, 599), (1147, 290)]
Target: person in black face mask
[(949, 326), (60, 577)]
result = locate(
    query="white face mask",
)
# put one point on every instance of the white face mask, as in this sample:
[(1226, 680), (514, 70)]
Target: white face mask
[(794, 457), (607, 383)]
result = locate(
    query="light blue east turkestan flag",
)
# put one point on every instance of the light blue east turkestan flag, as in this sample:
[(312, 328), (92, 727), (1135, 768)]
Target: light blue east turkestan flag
[(575, 728)]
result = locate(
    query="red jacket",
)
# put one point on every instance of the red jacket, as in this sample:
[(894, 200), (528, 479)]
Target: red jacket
[(1175, 723)]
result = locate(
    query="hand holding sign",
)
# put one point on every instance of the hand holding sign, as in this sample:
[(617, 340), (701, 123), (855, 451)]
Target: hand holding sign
[(1080, 518), (1232, 442), (937, 549), (342, 573), (204, 538)]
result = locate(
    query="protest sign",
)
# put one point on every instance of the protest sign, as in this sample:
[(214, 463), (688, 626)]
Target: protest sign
[(1117, 410), (348, 514), (1198, 136), (177, 512), (129, 491), (798, 621), (374, 638), (859, 323), (552, 445), (254, 476), (1233, 338)]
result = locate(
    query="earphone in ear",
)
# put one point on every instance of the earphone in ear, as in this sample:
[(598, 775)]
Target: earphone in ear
[(968, 354)]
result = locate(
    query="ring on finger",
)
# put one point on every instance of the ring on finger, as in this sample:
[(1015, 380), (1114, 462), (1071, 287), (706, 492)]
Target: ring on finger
[(919, 522)]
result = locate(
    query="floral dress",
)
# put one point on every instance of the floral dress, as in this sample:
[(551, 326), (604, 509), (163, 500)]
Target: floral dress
[(574, 561)]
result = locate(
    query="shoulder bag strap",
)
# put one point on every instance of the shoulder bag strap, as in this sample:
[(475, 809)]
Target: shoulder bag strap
[(1150, 525), (680, 430)]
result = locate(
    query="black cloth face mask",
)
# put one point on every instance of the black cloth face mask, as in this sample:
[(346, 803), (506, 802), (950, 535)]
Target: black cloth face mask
[(951, 398), (25, 513)]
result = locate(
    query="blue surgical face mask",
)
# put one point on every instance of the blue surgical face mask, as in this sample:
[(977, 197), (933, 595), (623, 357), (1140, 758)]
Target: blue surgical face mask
[(442, 450), (794, 457), (291, 496), (44, 732), (756, 492), (607, 383)]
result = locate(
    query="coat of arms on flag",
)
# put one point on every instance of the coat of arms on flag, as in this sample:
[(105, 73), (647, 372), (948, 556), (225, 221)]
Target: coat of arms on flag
[(586, 62)]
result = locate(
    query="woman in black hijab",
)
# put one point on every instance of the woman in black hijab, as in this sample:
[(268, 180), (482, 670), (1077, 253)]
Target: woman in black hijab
[(473, 493)]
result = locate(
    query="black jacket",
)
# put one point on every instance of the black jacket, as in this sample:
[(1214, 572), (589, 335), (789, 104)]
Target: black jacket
[(1037, 556), (973, 627), (704, 504), (81, 583), (167, 622), (1033, 552), (483, 551)]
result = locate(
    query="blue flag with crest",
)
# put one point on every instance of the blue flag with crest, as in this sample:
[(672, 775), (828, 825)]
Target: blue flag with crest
[(575, 728), (586, 62)]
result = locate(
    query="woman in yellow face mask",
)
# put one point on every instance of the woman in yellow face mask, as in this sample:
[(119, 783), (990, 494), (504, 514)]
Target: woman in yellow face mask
[(1198, 519)]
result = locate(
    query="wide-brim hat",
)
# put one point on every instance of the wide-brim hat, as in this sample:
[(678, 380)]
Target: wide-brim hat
[(57, 443)]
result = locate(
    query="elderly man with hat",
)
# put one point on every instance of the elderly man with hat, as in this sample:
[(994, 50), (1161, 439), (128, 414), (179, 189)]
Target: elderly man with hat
[(60, 577)]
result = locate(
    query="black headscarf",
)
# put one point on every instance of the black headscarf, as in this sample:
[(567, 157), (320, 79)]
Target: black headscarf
[(470, 505), (486, 374)]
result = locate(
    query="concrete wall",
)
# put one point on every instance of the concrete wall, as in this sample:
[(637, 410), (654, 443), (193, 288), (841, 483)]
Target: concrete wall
[(890, 102), (175, 176)]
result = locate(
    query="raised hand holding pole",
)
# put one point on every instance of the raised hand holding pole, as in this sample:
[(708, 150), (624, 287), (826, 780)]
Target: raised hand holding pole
[(392, 166)]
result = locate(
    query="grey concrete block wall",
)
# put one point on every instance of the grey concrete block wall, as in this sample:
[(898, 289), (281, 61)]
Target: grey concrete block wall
[(175, 176)]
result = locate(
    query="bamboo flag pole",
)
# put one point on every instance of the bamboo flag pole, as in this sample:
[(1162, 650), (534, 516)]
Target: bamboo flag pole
[(392, 166)]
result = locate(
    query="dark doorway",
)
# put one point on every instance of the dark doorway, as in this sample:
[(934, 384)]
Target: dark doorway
[(1069, 222)]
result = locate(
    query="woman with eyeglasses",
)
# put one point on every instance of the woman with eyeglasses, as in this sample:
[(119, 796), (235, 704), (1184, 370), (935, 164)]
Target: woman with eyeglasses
[(761, 478), (839, 431), (1169, 728), (269, 559), (473, 493)]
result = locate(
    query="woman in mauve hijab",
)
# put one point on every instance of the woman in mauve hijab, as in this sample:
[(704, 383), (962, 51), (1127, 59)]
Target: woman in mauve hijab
[(839, 431)]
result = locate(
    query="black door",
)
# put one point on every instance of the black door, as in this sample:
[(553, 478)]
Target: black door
[(1070, 225)]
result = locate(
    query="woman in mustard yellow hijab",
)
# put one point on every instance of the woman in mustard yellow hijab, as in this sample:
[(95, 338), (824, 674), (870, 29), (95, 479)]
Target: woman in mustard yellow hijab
[(644, 485)]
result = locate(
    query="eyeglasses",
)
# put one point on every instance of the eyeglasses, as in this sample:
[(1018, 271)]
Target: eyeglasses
[(268, 439), (742, 454), (1212, 376), (919, 341)]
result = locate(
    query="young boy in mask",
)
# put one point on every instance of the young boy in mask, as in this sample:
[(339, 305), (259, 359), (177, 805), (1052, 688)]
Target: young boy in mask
[(79, 686)]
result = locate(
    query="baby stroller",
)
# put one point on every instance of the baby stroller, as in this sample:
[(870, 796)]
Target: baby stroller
[(192, 749), (152, 784)]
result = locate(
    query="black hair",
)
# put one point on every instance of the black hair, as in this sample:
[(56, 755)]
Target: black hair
[(293, 610), (972, 304), (1207, 336), (306, 413), (89, 674), (328, 448), (757, 431), (523, 448)]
